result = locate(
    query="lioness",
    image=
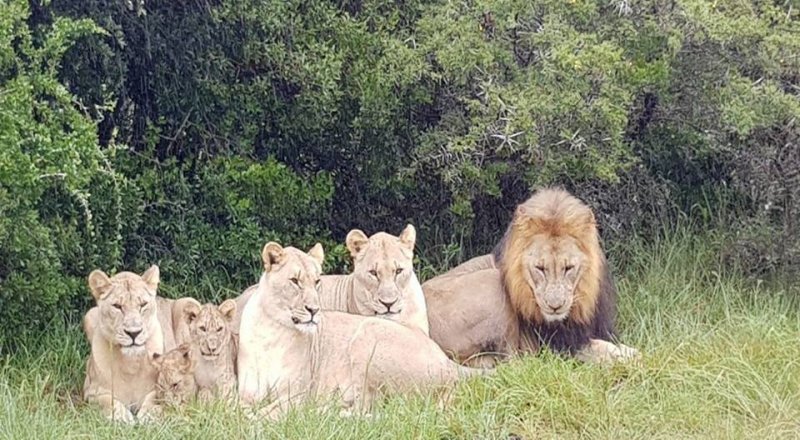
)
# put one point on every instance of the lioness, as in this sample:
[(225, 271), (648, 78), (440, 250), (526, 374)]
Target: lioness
[(125, 332), (290, 350), (213, 348), (383, 282), (175, 384)]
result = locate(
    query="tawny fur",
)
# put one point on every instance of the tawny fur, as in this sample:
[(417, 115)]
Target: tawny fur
[(290, 350), (554, 213), (485, 309), (119, 374)]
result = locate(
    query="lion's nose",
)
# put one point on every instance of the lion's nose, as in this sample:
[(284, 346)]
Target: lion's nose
[(388, 304), (312, 310), (556, 305), (133, 334)]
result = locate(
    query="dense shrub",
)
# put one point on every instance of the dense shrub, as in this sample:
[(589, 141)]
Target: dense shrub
[(189, 133)]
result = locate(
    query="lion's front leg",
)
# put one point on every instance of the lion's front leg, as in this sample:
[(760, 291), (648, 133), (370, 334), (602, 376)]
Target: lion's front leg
[(150, 409), (600, 351), (112, 408), (226, 387)]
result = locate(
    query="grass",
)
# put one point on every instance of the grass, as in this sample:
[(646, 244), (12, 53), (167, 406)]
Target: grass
[(721, 360)]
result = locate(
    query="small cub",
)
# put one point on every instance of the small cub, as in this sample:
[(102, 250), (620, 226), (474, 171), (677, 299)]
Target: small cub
[(175, 384), (213, 348)]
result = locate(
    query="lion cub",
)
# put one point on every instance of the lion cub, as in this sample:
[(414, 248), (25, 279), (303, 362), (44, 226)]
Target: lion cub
[(213, 348), (175, 384)]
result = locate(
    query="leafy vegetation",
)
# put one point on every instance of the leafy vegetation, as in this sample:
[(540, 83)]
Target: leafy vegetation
[(188, 133)]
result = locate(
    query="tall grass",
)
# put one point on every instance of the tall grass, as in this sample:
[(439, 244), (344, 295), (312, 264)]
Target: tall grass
[(721, 360)]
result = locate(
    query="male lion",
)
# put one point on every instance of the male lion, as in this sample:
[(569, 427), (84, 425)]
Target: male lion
[(289, 350), (124, 333), (175, 384), (547, 282), (383, 282), (213, 348)]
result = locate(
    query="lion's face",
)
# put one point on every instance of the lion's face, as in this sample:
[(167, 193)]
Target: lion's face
[(383, 267), (209, 326), (127, 304), (175, 383), (552, 267), (293, 279)]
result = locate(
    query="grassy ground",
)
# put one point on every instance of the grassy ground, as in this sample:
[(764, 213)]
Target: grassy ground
[(721, 360)]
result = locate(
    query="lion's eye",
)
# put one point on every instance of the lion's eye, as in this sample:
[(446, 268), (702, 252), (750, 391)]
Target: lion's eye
[(568, 268), (317, 284), (540, 268), (175, 385), (295, 281), (118, 306), (219, 330), (202, 328), (398, 271), (374, 273), (142, 305)]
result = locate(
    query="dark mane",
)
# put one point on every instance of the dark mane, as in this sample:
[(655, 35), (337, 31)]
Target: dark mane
[(568, 336)]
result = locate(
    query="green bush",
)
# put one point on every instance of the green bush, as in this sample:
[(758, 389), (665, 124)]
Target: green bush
[(189, 133)]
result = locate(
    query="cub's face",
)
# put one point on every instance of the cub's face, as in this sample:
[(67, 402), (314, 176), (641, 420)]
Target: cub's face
[(127, 304), (210, 327), (383, 267), (175, 383), (553, 268), (293, 282)]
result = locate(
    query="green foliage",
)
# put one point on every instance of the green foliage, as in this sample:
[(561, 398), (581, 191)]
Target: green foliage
[(48, 158), (189, 133)]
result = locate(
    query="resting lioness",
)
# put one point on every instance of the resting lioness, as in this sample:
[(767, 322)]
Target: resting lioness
[(125, 332), (383, 282), (289, 350), (213, 348)]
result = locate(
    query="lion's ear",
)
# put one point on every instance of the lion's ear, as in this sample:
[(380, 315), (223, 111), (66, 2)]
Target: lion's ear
[(98, 283), (187, 363), (271, 255), (152, 276), (190, 311), (157, 360), (521, 212), (592, 220), (317, 253), (408, 237), (228, 309), (356, 241)]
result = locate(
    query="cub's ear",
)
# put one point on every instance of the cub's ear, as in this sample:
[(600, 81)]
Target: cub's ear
[(187, 362), (99, 283), (228, 310), (152, 276), (356, 241), (157, 360), (271, 255), (190, 311), (408, 237), (317, 253)]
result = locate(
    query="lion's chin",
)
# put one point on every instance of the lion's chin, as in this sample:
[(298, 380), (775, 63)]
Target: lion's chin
[(133, 350), (307, 328), (210, 356), (553, 318)]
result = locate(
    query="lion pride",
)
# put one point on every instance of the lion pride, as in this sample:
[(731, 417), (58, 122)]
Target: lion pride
[(546, 283)]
